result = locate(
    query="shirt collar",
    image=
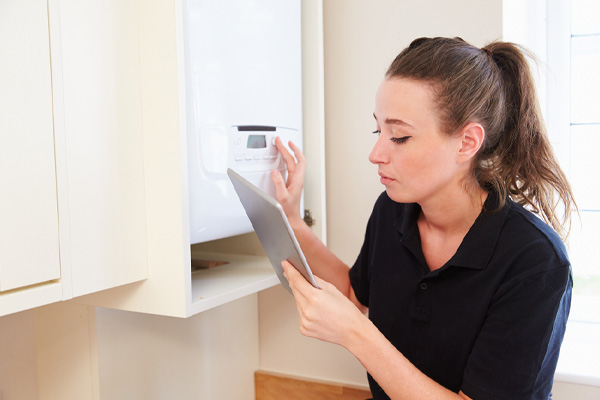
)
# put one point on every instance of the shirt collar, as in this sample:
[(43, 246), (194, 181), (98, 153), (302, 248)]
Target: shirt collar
[(479, 243)]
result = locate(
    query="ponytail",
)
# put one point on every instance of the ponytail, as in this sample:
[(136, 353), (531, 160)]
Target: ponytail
[(494, 87), (525, 162)]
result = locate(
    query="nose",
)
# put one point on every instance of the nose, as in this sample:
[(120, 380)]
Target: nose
[(378, 154)]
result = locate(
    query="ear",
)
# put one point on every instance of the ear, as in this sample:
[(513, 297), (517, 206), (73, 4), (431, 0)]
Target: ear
[(472, 138)]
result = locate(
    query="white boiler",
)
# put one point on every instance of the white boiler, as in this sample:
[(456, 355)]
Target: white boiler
[(243, 88)]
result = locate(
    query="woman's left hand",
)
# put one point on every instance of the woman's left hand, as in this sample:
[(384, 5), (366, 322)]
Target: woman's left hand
[(289, 192), (325, 313)]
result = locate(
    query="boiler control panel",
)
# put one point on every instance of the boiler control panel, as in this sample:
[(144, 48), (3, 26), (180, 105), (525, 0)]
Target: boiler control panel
[(252, 148)]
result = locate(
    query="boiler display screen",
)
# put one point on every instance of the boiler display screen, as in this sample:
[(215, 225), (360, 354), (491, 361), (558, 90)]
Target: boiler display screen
[(256, 142)]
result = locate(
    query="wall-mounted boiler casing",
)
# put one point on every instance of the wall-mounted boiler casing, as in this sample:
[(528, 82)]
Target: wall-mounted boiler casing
[(243, 88)]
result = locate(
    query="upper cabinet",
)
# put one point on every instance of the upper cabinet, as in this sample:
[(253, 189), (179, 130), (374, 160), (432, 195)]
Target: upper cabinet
[(73, 204), (100, 145), (29, 236), (173, 287), (93, 150)]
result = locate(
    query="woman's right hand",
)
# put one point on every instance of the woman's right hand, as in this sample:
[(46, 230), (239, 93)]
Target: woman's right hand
[(288, 193)]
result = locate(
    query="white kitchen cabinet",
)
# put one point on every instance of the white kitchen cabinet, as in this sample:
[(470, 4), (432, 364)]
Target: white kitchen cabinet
[(73, 203), (29, 236), (101, 177), (97, 194), (171, 288)]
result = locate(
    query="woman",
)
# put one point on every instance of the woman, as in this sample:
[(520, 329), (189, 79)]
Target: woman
[(467, 291)]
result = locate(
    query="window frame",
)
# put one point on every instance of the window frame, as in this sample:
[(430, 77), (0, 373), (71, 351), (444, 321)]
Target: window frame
[(544, 28)]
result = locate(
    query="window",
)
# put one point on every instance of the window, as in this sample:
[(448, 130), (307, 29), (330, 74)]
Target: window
[(565, 36), (573, 117), (584, 165)]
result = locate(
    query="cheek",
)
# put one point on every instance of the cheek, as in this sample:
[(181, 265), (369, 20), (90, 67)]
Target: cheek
[(427, 166), (441, 165), (418, 164), (412, 166)]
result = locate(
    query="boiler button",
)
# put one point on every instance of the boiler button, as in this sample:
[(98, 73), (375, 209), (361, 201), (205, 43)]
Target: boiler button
[(257, 157), (248, 157), (239, 157)]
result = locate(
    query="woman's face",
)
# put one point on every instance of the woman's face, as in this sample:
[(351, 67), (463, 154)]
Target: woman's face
[(416, 161)]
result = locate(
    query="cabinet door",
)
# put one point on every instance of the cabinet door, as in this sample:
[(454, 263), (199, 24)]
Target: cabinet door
[(28, 203), (103, 179)]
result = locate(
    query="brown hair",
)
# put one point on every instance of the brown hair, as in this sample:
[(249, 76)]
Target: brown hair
[(494, 87)]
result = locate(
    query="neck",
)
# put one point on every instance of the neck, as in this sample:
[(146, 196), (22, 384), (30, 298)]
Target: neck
[(453, 212)]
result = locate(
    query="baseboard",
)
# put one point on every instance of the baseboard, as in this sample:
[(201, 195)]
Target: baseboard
[(273, 386)]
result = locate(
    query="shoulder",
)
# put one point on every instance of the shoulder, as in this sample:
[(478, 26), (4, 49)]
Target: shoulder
[(530, 240), (524, 223)]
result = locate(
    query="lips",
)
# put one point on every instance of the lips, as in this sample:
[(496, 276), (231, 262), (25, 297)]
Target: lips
[(385, 180)]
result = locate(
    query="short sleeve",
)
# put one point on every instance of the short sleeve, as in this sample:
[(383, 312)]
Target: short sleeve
[(517, 348), (359, 273)]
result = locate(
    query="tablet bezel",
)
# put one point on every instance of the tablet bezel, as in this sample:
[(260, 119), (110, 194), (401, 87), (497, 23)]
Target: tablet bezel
[(270, 222)]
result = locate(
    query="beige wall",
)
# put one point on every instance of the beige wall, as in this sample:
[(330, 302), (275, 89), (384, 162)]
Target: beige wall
[(17, 356), (49, 353), (211, 355)]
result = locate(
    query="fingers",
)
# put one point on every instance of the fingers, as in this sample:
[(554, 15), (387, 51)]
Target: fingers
[(322, 284), (299, 285), (289, 160), (281, 192), (297, 153), (293, 162), (323, 314), (291, 273), (288, 191)]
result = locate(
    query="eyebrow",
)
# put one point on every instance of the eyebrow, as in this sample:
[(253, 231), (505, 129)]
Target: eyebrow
[(395, 121)]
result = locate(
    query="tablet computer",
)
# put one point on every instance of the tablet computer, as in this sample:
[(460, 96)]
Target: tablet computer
[(272, 228)]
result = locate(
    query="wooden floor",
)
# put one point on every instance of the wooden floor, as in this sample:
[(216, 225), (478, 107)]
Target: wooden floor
[(271, 386)]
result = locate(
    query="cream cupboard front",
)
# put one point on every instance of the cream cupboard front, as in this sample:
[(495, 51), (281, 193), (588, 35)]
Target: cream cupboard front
[(95, 160)]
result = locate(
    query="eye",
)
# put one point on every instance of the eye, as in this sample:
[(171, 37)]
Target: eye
[(399, 140), (377, 132)]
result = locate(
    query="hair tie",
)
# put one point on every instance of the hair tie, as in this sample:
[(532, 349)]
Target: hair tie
[(488, 51)]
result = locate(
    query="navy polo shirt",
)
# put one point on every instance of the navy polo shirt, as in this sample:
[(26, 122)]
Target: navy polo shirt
[(490, 321)]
